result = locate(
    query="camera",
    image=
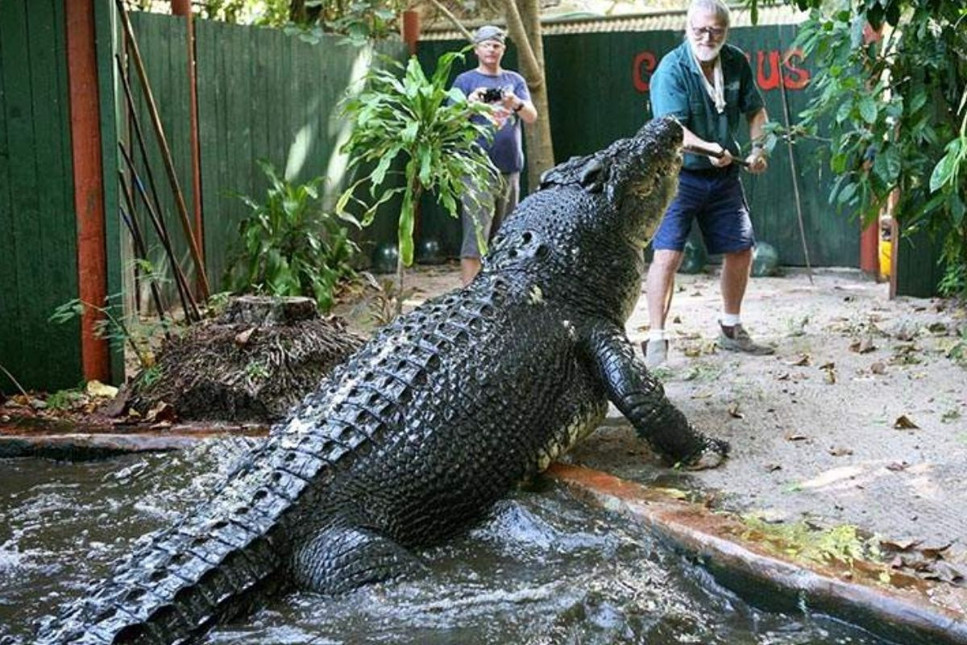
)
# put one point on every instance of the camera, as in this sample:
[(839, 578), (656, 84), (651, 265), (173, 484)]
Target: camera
[(492, 95)]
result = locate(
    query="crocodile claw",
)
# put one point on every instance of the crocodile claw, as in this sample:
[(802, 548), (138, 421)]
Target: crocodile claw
[(712, 454)]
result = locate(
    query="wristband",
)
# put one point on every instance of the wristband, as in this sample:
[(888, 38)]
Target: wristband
[(520, 106)]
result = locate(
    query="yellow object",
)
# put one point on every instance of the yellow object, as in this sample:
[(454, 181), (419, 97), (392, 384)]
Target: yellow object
[(886, 257)]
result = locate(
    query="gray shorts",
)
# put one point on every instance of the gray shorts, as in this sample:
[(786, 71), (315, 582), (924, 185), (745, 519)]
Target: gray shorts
[(492, 208)]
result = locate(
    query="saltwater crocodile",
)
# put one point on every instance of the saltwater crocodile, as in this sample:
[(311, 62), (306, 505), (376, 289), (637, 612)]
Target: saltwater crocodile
[(438, 416)]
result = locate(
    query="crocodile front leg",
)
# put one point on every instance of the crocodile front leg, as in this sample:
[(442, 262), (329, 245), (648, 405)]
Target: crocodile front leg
[(641, 398)]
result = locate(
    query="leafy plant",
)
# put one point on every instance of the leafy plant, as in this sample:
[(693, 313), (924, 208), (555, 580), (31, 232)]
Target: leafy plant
[(150, 375), (803, 541), (112, 327), (290, 246), (892, 105), (402, 117), (381, 306), (64, 399)]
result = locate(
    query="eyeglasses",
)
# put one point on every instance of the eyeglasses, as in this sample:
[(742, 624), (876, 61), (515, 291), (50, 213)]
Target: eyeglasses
[(712, 32)]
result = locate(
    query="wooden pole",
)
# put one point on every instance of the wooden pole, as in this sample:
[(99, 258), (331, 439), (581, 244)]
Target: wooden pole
[(183, 8), (188, 303), (88, 183), (411, 30), (141, 249), (165, 150)]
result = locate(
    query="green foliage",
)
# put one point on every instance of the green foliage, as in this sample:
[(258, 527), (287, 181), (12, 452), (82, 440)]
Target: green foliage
[(893, 111), (408, 119), (64, 399), (290, 246), (150, 375), (359, 20), (112, 327), (801, 541)]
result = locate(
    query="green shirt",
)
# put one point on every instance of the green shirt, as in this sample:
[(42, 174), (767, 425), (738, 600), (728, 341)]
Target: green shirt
[(677, 89)]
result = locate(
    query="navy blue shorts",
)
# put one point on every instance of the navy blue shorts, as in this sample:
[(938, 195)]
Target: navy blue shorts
[(715, 198)]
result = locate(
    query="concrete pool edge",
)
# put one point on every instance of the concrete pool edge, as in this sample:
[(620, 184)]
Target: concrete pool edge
[(912, 614)]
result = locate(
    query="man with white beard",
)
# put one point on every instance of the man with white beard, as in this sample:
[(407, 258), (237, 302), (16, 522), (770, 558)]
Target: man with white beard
[(708, 85)]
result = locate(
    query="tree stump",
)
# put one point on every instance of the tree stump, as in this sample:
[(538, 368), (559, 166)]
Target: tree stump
[(251, 364)]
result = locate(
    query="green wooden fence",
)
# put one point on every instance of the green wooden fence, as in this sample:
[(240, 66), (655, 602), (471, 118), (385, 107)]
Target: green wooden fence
[(262, 95), (38, 248)]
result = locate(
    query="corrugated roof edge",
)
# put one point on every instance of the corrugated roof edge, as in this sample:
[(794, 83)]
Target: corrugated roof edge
[(664, 20)]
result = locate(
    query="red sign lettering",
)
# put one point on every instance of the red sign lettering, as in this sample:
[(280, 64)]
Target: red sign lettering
[(771, 69), (641, 69)]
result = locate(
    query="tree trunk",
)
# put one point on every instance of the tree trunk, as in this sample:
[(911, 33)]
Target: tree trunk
[(524, 25)]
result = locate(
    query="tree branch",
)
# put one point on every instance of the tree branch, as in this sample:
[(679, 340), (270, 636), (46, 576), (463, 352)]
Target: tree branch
[(452, 18), (525, 51)]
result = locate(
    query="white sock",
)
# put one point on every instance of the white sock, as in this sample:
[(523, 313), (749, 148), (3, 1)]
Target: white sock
[(657, 334), (730, 320)]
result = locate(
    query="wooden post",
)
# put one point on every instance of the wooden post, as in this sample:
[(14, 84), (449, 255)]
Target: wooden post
[(183, 8), (88, 182), (870, 250), (411, 29)]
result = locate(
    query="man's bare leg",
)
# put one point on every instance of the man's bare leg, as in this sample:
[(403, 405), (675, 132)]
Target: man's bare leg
[(734, 280), (660, 287)]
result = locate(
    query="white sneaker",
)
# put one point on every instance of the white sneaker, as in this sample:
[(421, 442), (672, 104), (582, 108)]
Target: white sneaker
[(655, 351)]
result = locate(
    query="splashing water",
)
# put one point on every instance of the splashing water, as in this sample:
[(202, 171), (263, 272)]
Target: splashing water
[(544, 569)]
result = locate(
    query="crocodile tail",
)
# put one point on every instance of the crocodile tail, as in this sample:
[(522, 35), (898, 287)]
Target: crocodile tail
[(209, 568)]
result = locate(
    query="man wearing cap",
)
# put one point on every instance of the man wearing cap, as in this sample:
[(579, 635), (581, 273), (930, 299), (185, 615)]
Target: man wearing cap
[(709, 86), (506, 92)]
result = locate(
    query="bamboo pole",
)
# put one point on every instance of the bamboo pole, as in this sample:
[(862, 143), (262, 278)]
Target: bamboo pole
[(165, 151), (184, 292), (141, 249)]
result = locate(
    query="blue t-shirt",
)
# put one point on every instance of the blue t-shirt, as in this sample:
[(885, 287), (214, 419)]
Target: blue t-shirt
[(506, 150), (677, 89)]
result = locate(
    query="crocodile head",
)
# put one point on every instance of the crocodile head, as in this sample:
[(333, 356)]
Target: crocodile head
[(643, 177), (637, 177)]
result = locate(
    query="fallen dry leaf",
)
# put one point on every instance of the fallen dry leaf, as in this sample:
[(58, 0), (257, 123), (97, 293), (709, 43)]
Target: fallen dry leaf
[(241, 338), (934, 550), (802, 361), (897, 466), (771, 468), (163, 413), (863, 346), (950, 572), (899, 544), (734, 411), (794, 436), (903, 422), (96, 388)]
